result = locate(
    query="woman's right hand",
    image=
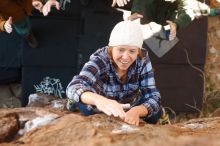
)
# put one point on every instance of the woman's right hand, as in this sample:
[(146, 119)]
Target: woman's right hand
[(108, 106), (111, 107)]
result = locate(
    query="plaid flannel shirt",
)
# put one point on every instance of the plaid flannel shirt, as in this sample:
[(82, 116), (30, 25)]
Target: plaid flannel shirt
[(99, 76)]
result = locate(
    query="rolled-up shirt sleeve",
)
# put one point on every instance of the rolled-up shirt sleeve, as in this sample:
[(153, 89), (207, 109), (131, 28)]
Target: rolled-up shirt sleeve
[(151, 98), (75, 90), (85, 81)]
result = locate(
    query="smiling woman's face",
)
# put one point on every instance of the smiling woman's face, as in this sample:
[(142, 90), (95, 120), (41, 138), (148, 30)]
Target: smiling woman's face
[(124, 56)]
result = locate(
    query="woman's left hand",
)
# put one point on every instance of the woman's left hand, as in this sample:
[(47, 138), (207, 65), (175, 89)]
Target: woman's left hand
[(132, 116)]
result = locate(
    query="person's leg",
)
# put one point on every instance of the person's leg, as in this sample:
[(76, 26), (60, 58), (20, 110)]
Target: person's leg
[(87, 110), (71, 105), (23, 28), (154, 119), (214, 11), (83, 108), (160, 117)]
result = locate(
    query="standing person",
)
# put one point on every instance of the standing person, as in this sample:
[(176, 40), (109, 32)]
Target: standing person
[(14, 14), (162, 12), (118, 80), (176, 13)]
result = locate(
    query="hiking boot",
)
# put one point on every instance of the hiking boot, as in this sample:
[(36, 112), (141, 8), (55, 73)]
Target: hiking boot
[(71, 105), (31, 40), (164, 119)]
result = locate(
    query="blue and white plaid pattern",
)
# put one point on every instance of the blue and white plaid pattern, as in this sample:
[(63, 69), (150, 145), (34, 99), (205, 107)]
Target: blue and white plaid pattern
[(99, 76)]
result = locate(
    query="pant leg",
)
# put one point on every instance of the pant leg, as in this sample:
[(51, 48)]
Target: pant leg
[(87, 110), (154, 118), (23, 27)]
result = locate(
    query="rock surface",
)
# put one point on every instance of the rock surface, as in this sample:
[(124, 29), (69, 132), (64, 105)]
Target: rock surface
[(9, 126), (70, 129)]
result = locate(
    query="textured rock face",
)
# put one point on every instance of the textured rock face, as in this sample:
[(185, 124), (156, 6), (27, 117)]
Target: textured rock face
[(71, 129), (212, 67), (213, 57), (9, 126), (9, 96)]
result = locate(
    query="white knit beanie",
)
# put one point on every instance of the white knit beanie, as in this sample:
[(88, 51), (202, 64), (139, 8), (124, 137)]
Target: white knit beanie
[(126, 33)]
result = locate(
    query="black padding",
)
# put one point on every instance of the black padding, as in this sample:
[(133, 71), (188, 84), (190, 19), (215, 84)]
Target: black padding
[(57, 43), (8, 75), (181, 86), (96, 4), (192, 39), (100, 22), (10, 50), (33, 76), (96, 26), (88, 44)]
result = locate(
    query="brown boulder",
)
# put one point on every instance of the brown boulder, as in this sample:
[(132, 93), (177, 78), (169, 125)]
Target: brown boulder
[(9, 126)]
